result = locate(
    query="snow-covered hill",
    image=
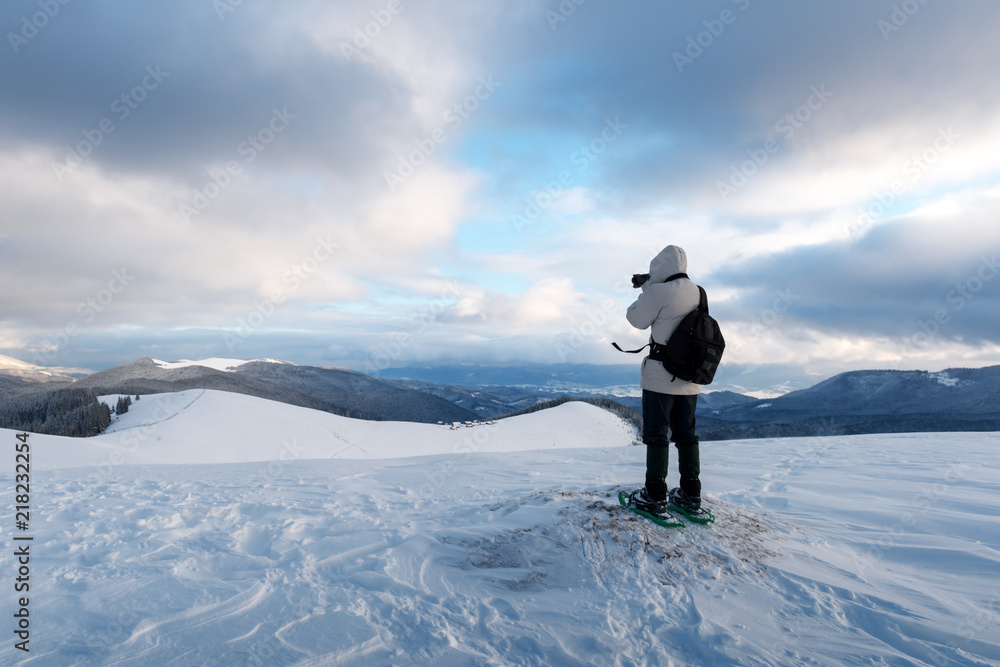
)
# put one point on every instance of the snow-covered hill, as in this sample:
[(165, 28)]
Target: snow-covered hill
[(335, 390), (192, 534), (216, 363), (200, 426), (14, 372), (886, 401)]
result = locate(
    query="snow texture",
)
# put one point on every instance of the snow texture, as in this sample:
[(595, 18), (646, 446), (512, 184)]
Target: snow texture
[(215, 363), (218, 529)]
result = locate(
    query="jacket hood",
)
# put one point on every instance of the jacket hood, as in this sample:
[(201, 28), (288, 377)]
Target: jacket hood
[(671, 260)]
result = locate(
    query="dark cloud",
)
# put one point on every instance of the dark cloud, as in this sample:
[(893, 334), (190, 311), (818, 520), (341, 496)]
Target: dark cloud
[(183, 89), (887, 283), (696, 84), (687, 125), (565, 77)]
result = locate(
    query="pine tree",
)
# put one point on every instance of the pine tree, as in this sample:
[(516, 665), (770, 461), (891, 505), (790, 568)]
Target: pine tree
[(68, 412)]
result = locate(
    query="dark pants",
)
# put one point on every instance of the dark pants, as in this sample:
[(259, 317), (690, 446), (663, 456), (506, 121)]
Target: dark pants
[(665, 415)]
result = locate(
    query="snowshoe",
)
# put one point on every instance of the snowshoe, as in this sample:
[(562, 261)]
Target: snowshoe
[(689, 506), (644, 506)]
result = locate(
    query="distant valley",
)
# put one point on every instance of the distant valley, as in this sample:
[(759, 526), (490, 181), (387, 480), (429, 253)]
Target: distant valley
[(880, 401), (876, 401)]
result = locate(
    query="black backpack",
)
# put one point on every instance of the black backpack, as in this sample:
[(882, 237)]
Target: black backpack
[(695, 348)]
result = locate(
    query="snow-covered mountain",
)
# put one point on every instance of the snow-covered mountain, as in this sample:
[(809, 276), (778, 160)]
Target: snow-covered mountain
[(335, 390), (956, 399), (875, 401), (15, 374), (217, 363), (213, 528), (547, 378), (850, 403)]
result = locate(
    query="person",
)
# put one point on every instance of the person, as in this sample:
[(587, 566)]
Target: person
[(668, 403)]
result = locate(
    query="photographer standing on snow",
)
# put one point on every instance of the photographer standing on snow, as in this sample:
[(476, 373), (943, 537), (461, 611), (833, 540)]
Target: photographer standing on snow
[(668, 296)]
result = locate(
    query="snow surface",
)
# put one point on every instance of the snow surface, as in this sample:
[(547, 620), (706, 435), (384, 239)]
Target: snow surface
[(10, 362), (945, 379), (18, 368), (216, 529), (200, 426), (216, 363)]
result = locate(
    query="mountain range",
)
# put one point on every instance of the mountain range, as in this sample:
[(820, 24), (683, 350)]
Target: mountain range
[(879, 401), (17, 374), (876, 401), (335, 390)]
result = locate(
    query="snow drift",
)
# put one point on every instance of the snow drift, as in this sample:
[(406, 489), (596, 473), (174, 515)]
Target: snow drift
[(205, 542)]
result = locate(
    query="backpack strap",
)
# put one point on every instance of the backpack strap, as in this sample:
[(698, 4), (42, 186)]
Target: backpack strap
[(657, 349), (615, 345)]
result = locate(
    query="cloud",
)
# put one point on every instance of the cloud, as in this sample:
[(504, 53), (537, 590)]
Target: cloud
[(329, 169), (219, 83), (921, 286), (545, 302)]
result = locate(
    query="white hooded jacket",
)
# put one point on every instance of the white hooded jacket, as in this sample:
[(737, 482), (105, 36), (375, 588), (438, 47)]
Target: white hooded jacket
[(662, 306)]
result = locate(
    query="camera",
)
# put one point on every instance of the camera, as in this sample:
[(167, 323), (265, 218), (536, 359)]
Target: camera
[(639, 279)]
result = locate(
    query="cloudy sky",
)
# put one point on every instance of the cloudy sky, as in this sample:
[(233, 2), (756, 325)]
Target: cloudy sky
[(367, 183)]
